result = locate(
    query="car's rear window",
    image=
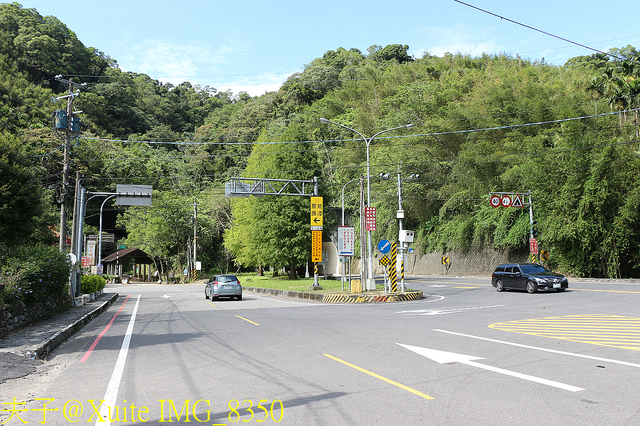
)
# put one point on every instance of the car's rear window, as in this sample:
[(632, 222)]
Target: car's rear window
[(227, 278)]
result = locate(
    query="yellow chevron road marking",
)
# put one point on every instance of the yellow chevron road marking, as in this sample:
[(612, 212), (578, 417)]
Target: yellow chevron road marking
[(598, 329)]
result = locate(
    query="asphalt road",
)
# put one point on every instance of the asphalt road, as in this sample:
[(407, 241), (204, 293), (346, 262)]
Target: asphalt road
[(465, 354)]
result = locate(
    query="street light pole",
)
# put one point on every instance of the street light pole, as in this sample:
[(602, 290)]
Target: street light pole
[(371, 284), (100, 236)]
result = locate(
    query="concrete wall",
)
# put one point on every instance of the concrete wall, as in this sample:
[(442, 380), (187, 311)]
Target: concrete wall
[(473, 262), (481, 262)]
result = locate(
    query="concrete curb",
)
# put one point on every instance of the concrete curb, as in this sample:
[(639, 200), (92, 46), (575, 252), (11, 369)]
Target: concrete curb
[(339, 298), (45, 347)]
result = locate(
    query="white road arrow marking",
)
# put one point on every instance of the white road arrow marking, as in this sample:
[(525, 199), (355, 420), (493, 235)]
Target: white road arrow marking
[(553, 351), (166, 296), (444, 311), (443, 357)]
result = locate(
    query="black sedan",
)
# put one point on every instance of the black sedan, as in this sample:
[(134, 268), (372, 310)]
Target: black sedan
[(527, 276)]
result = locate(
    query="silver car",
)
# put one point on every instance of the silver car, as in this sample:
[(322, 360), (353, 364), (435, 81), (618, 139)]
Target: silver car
[(223, 286)]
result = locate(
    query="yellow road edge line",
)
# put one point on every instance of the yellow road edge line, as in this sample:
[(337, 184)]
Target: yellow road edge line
[(605, 291), (210, 303), (384, 379), (248, 320)]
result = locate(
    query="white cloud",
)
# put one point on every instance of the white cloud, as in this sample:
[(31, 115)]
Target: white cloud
[(174, 63), (458, 38), (256, 85)]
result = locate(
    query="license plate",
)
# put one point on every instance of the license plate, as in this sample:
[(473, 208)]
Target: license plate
[(557, 285), (227, 286)]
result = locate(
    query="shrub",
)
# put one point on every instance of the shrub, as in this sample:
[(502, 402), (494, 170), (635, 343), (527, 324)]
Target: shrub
[(92, 283), (37, 273)]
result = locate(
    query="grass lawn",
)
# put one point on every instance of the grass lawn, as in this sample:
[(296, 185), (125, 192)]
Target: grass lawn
[(301, 284)]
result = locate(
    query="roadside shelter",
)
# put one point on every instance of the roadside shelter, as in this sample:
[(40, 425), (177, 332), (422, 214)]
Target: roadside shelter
[(133, 260)]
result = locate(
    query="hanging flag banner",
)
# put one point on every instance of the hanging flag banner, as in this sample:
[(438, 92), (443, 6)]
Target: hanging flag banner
[(369, 218)]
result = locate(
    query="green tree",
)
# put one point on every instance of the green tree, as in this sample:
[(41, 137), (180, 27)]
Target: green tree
[(274, 230), (21, 197), (162, 230)]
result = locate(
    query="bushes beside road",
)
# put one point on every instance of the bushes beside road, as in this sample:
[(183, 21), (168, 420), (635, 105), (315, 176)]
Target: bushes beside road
[(35, 274), (92, 283)]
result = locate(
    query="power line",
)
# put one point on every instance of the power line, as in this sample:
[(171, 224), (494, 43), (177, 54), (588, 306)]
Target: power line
[(538, 30), (453, 132)]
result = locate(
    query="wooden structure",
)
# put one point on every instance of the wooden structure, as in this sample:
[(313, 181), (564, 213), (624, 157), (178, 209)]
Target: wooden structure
[(132, 259)]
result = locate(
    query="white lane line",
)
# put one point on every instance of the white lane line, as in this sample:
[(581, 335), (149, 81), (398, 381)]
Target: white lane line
[(114, 383), (596, 358)]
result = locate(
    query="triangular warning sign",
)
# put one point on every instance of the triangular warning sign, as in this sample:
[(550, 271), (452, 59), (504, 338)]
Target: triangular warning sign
[(517, 201)]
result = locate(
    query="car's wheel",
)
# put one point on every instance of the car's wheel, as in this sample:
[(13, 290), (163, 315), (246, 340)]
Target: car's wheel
[(531, 287), (239, 297), (499, 285), (559, 290)]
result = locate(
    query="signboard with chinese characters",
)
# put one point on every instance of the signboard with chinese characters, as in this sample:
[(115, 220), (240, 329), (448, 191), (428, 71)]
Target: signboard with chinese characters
[(91, 251), (346, 240), (316, 213), (316, 246)]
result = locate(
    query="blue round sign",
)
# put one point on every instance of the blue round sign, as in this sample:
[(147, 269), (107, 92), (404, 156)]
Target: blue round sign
[(384, 246)]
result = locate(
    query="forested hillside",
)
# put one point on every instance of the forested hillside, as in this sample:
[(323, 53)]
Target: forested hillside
[(481, 124)]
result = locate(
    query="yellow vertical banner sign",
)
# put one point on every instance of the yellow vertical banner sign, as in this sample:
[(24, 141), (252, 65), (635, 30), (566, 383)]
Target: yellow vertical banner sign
[(316, 213), (316, 246), (316, 229)]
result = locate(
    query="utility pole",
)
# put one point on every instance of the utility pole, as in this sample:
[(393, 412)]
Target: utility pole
[(70, 128)]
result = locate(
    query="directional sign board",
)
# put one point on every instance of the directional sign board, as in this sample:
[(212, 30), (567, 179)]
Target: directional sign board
[(316, 213), (133, 195), (384, 246)]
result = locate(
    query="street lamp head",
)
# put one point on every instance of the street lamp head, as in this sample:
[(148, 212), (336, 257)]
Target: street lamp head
[(408, 126), (384, 176), (324, 120)]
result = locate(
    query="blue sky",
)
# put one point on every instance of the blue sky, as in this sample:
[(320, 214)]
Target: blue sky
[(254, 46)]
